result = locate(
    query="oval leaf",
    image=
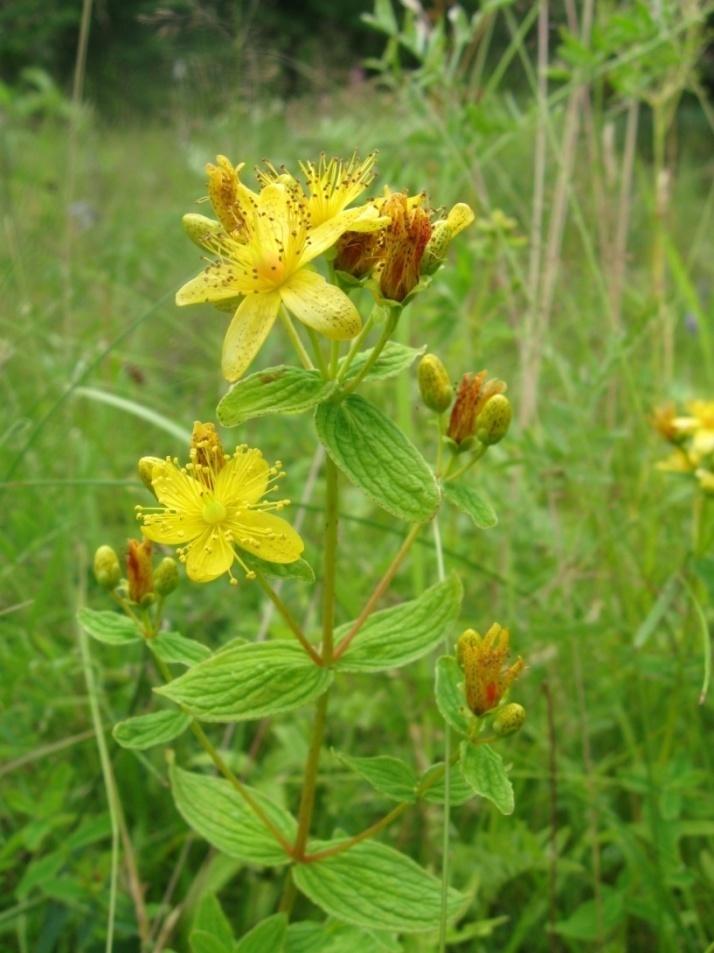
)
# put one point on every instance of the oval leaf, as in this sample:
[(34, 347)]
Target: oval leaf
[(172, 647), (211, 919), (267, 936), (248, 681), (394, 359), (145, 731), (375, 455), (394, 637), (108, 627), (387, 775), (300, 569), (374, 886), (276, 390), (449, 694), (483, 769), (214, 809), (471, 502)]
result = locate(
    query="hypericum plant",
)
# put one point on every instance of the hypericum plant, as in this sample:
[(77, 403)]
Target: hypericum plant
[(219, 510)]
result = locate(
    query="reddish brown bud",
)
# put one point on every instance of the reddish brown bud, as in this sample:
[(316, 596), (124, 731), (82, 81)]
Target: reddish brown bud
[(357, 253), (138, 569), (474, 390), (405, 239)]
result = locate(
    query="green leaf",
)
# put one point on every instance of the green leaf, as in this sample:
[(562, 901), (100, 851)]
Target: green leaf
[(248, 681), (211, 919), (145, 731), (459, 791), (300, 569), (267, 936), (394, 359), (471, 502), (204, 942), (214, 809), (450, 698), (394, 637), (592, 920), (483, 769), (374, 886), (330, 936), (375, 455), (172, 647), (276, 390), (387, 775), (108, 627)]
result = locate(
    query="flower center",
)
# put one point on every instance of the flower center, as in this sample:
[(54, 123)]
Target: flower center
[(213, 511)]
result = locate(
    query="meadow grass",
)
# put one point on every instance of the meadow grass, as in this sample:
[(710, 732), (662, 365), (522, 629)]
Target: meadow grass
[(611, 841)]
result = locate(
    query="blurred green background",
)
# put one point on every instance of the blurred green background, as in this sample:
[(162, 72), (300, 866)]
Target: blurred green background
[(582, 135)]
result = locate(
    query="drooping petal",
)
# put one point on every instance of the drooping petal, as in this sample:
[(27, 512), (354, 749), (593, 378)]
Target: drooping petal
[(320, 305), (460, 216), (175, 488), (244, 478), (215, 283), (250, 326), (267, 536), (209, 556), (366, 218), (172, 529)]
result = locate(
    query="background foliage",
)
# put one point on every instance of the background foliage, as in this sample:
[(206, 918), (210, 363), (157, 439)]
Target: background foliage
[(594, 303)]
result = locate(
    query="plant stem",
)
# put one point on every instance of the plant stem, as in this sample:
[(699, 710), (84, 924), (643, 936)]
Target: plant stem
[(357, 343), (287, 617), (317, 351), (379, 590), (296, 342), (389, 326), (221, 765), (441, 575), (307, 797)]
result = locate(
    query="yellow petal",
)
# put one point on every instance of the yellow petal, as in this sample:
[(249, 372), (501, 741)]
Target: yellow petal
[(209, 556), (267, 536), (244, 479), (250, 326), (176, 489), (320, 305), (172, 529), (215, 283), (366, 218)]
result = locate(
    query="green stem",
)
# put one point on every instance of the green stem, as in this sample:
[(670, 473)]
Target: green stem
[(287, 616), (478, 453), (317, 351), (330, 563), (296, 342), (223, 768), (379, 590), (441, 573), (389, 326), (357, 343)]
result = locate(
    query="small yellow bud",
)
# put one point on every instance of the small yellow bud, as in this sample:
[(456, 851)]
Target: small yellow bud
[(509, 719), (494, 420), (207, 454), (106, 568), (203, 231), (443, 232), (166, 576), (147, 469), (435, 387)]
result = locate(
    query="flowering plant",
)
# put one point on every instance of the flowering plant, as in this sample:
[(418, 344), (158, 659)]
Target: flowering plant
[(219, 511)]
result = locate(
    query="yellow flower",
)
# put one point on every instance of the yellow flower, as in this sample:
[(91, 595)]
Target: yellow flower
[(677, 462), (700, 425), (706, 480), (483, 662), (332, 184), (215, 506), (263, 251)]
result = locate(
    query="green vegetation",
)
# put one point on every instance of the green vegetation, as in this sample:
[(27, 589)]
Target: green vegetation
[(586, 284)]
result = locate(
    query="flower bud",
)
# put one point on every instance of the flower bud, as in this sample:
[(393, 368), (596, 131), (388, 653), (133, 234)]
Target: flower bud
[(106, 568), (484, 662), (494, 420), (442, 234), (224, 190), (147, 469), (206, 452), (138, 570), (166, 577), (473, 393), (203, 231), (356, 253), (509, 719), (435, 386), (404, 241)]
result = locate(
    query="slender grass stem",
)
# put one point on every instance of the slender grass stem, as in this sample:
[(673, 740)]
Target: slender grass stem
[(317, 351), (305, 359), (389, 326), (441, 575), (357, 343)]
